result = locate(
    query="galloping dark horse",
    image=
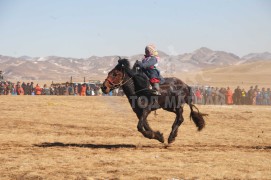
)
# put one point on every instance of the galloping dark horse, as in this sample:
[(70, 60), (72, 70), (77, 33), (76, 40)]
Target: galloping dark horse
[(174, 94)]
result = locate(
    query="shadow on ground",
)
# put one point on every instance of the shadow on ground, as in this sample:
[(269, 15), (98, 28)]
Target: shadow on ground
[(93, 146), (203, 147)]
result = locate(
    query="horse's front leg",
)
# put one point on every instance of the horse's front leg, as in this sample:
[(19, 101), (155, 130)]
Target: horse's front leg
[(145, 129)]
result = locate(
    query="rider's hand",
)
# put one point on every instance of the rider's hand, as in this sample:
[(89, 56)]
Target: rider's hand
[(138, 63)]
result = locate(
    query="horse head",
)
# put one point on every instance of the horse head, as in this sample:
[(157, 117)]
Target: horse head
[(116, 76)]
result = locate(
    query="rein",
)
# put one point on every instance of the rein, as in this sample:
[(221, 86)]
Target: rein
[(120, 83), (142, 90)]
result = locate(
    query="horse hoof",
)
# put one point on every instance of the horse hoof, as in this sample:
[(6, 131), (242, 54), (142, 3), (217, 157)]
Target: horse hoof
[(161, 140), (170, 141), (160, 137)]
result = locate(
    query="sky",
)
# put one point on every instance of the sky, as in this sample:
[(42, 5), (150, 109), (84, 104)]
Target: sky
[(82, 28)]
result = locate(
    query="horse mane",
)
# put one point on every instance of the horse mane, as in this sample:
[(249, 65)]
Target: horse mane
[(140, 80), (124, 62)]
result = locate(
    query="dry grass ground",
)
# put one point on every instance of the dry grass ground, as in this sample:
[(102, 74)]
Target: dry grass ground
[(96, 138)]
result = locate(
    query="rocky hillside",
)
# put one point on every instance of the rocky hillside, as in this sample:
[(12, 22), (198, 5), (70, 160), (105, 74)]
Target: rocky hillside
[(61, 68)]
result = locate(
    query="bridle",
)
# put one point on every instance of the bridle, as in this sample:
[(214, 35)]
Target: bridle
[(121, 83)]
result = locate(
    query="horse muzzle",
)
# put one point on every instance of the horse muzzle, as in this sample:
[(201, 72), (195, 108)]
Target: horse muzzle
[(105, 89)]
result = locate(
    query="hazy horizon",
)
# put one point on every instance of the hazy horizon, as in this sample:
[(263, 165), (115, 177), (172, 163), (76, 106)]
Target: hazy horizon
[(122, 55), (81, 29)]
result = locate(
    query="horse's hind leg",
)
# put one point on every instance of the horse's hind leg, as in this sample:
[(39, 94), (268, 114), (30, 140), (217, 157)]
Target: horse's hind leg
[(178, 121), (145, 129)]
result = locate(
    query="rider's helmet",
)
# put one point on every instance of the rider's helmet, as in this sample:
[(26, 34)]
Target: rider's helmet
[(150, 50)]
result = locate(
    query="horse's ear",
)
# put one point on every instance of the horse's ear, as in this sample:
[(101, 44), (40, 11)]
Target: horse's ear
[(119, 61), (123, 62)]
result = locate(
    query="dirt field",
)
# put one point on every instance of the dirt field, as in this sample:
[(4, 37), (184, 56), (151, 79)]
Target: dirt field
[(97, 138)]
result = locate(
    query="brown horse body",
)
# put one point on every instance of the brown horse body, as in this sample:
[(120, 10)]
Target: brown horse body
[(174, 94)]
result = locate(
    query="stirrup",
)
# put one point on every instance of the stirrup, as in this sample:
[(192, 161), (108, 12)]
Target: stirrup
[(157, 93)]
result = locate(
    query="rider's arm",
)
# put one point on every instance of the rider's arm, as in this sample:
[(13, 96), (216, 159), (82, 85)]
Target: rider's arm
[(151, 62)]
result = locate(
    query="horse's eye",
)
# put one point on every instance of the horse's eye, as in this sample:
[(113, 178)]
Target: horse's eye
[(114, 75)]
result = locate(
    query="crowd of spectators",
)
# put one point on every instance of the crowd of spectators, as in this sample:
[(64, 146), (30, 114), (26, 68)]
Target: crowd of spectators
[(238, 96), (201, 94), (84, 89)]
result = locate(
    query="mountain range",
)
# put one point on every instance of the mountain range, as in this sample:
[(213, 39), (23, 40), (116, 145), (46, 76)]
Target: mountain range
[(94, 67)]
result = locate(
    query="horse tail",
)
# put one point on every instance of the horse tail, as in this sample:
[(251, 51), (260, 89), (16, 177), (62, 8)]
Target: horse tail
[(196, 116)]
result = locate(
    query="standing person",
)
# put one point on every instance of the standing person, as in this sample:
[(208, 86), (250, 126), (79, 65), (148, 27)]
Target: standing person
[(96, 90), (52, 90), (2, 88), (88, 91), (13, 90), (76, 90), (238, 95), (100, 93), (269, 95), (18, 83), (79, 89), (258, 97), (27, 89), (83, 90), (225, 93), (92, 91), (209, 99), (243, 97), (204, 95), (45, 90), (229, 96), (9, 88), (198, 96), (20, 90), (262, 97), (71, 89), (221, 96), (38, 90), (66, 89), (213, 95), (24, 88), (250, 95), (62, 90), (266, 97), (216, 94), (32, 88), (149, 66), (57, 90), (254, 97), (6, 88)]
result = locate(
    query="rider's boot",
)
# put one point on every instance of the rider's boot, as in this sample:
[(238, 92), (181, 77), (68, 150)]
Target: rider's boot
[(156, 87)]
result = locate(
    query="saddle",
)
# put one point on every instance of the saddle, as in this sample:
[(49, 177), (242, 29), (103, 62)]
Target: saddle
[(138, 70)]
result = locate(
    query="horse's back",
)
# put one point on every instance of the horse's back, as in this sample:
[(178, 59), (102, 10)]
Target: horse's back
[(173, 84), (173, 81)]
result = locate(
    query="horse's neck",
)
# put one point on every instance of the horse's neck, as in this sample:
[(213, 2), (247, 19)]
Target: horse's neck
[(129, 90), (129, 86)]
